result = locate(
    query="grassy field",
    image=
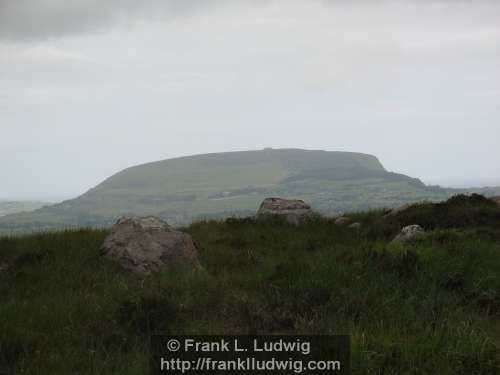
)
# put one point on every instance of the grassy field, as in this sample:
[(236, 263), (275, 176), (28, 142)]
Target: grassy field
[(427, 307)]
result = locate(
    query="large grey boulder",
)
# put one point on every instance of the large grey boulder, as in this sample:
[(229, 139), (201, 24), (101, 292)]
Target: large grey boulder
[(409, 233), (145, 245), (294, 211)]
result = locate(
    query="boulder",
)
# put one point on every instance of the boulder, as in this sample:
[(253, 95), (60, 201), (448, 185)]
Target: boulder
[(409, 233), (145, 245), (342, 220), (294, 211)]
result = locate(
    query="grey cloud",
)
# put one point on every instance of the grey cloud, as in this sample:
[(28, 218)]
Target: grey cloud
[(40, 19), (415, 85), (34, 20)]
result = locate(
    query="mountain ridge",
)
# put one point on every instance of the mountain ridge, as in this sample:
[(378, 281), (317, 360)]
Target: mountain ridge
[(218, 185)]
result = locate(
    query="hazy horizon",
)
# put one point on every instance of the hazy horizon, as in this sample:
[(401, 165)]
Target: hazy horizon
[(90, 89)]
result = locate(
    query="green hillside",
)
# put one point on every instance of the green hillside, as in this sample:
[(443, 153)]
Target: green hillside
[(427, 307), (226, 184)]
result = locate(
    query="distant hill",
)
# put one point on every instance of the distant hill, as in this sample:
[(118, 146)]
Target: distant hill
[(234, 183), (8, 207)]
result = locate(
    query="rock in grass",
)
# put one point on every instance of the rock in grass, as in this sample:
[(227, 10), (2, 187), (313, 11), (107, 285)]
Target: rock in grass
[(355, 226), (409, 233), (294, 211), (145, 245), (342, 220)]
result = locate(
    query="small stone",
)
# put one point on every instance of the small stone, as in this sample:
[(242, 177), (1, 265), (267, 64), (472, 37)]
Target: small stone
[(409, 233)]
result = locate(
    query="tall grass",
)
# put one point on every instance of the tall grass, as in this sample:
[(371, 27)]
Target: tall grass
[(428, 307)]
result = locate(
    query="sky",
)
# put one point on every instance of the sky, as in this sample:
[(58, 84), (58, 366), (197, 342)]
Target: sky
[(90, 87)]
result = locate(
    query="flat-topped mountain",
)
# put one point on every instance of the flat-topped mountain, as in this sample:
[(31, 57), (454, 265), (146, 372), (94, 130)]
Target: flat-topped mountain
[(233, 183)]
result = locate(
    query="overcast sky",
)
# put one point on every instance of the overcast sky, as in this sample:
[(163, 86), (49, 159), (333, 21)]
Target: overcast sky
[(89, 87)]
